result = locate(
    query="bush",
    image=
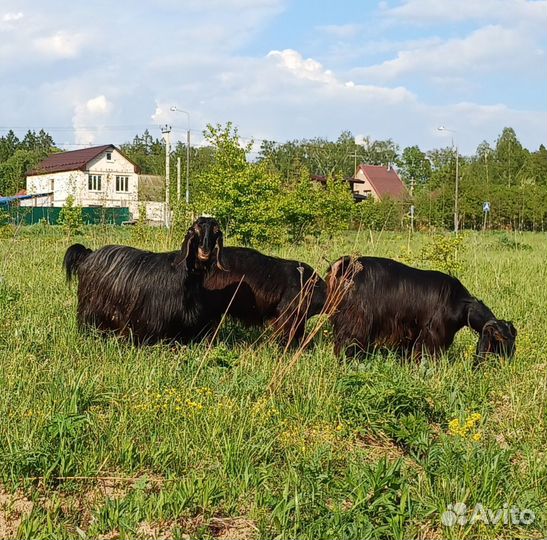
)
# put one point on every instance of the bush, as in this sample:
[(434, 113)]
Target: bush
[(378, 215), (70, 217), (311, 209), (442, 253), (255, 206)]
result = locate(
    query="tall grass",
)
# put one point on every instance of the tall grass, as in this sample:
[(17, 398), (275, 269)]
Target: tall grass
[(104, 439)]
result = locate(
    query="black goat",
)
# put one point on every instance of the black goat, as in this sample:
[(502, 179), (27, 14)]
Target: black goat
[(148, 296), (255, 289), (389, 304)]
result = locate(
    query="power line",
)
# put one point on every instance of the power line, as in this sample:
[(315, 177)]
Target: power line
[(75, 128)]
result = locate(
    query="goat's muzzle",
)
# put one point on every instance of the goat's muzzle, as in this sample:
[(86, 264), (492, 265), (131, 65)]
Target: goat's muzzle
[(203, 255)]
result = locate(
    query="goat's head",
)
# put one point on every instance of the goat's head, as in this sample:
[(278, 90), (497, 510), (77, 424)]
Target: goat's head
[(202, 245), (497, 337)]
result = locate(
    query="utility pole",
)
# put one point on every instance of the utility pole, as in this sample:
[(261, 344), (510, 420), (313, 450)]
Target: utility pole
[(456, 194), (456, 188), (176, 109), (188, 163), (166, 130), (178, 179), (355, 156)]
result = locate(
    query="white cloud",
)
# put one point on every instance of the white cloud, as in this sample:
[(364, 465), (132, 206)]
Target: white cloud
[(205, 61), (60, 45), (304, 69), (487, 49), (293, 63), (341, 31), (98, 105), (89, 117), (222, 5), (164, 115), (434, 11), (11, 17)]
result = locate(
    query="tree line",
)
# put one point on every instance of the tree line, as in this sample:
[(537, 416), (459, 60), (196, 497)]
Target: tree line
[(276, 192), (511, 178)]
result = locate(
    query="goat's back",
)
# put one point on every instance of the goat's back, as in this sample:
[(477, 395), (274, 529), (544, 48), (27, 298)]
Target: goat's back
[(264, 285), (145, 294), (390, 303)]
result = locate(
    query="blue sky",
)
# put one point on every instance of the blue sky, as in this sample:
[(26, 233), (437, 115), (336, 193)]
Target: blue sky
[(100, 72)]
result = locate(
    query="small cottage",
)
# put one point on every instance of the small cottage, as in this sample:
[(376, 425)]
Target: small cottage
[(378, 182)]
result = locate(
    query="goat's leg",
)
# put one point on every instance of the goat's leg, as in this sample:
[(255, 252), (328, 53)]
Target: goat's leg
[(415, 352), (350, 346), (288, 330)]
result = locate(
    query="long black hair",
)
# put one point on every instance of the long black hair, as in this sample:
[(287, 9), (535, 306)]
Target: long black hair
[(144, 295)]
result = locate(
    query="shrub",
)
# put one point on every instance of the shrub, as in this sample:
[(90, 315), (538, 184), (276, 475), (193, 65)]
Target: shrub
[(442, 253), (70, 217), (255, 206), (378, 215)]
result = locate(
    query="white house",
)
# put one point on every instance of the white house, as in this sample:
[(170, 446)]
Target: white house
[(95, 176)]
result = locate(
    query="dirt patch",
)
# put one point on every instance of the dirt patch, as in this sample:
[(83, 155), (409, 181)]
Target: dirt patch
[(236, 528), (155, 531), (428, 531), (339, 506), (112, 535), (377, 448), (13, 508)]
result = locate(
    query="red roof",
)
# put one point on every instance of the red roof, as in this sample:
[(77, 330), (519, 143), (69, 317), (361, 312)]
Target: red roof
[(71, 161), (385, 181)]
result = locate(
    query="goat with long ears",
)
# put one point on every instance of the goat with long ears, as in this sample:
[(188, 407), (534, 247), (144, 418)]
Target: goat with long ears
[(144, 295), (389, 304)]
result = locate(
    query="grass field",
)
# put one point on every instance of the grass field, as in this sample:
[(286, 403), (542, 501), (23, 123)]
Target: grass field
[(100, 439)]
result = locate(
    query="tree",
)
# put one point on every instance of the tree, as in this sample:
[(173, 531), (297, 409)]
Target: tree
[(536, 166), (13, 170), (148, 153), (8, 145), (245, 197), (40, 142), (70, 217), (414, 166), (17, 157), (327, 158), (509, 157)]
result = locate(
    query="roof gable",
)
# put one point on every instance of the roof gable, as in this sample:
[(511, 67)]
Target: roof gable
[(72, 161), (385, 181)]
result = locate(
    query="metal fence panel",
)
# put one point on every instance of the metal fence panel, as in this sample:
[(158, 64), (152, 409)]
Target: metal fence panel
[(91, 216)]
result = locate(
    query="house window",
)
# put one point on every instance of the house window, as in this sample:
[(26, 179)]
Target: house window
[(94, 182), (109, 156), (122, 183)]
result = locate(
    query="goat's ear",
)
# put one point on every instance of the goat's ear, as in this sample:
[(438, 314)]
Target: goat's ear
[(484, 345), (219, 246), (191, 234)]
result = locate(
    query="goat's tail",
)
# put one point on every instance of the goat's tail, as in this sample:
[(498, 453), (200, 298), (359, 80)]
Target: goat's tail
[(74, 256)]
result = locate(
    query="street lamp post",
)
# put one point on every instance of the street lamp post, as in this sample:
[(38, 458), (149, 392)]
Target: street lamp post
[(456, 188), (166, 130), (176, 109)]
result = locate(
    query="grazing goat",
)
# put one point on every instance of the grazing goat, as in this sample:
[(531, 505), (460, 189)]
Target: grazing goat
[(257, 289), (147, 296), (389, 304)]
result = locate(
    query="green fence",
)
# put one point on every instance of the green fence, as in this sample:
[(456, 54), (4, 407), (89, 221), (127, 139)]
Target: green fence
[(91, 216)]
